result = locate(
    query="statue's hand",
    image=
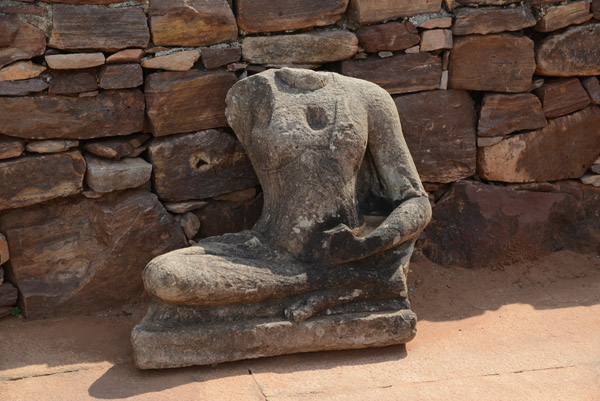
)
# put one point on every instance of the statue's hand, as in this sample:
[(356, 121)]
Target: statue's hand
[(337, 245)]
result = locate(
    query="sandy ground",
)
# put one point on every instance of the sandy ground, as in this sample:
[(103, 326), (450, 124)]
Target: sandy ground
[(529, 331)]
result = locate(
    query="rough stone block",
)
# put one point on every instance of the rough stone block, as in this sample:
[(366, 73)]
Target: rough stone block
[(20, 70), (439, 128), (564, 149), (4, 252), (83, 255), (27, 41), (10, 147), (104, 175), (111, 113), (109, 29), (126, 56), (8, 295), (191, 23), (312, 48), (573, 51), (502, 114), (117, 148), (592, 86), (51, 146), (492, 20), (48, 177), (562, 96), (22, 88), (497, 63), (564, 15), (65, 84), (120, 76), (220, 217), (199, 165), (436, 39), (178, 102), (368, 11), (267, 16), (218, 57), (74, 61), (392, 36), (178, 61), (402, 73)]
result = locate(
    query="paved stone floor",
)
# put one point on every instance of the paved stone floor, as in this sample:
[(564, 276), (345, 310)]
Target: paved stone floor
[(523, 332)]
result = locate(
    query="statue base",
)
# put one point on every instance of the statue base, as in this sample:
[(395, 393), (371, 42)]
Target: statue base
[(164, 340)]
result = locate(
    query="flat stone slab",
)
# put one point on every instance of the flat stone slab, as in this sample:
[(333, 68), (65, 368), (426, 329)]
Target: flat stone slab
[(167, 347)]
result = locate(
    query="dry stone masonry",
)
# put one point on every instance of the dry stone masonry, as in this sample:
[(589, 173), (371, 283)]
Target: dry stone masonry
[(114, 146)]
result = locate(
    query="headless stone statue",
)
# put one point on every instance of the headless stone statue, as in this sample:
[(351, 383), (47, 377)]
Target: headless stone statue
[(311, 274)]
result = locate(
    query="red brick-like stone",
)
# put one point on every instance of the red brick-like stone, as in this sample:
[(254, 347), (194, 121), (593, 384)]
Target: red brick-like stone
[(502, 114), (369, 11), (178, 102), (497, 63), (402, 73), (562, 96), (439, 128), (27, 42), (392, 36), (492, 20), (270, 16), (111, 113), (110, 29)]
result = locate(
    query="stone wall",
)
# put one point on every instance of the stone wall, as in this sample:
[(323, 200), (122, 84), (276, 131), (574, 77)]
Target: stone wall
[(114, 146)]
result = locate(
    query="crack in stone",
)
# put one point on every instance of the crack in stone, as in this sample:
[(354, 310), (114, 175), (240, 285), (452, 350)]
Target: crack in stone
[(258, 386)]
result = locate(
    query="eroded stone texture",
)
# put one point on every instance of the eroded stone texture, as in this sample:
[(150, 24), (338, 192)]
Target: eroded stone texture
[(4, 254), (439, 127), (8, 295), (267, 16), (492, 20), (178, 102), (120, 76), (48, 177), (111, 113), (199, 165), (74, 61), (502, 114), (20, 70), (22, 88), (436, 39), (398, 74), (564, 15), (392, 36), (477, 225), (51, 145), (311, 48), (65, 84), (368, 11), (10, 147), (109, 29), (221, 217), (592, 86), (564, 149), (497, 63), (562, 96), (191, 23), (126, 56), (574, 51), (117, 148), (114, 175), (178, 61), (272, 289), (218, 57), (27, 41), (82, 255)]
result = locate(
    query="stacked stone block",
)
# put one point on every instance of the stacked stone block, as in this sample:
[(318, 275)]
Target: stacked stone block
[(114, 146)]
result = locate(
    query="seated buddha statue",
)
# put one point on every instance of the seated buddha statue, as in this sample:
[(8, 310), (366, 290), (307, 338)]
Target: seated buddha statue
[(311, 274)]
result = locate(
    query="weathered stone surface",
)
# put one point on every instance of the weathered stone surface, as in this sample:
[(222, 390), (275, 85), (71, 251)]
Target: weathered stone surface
[(116, 148), (10, 147), (592, 86), (190, 224), (218, 57), (126, 56), (109, 29), (74, 61), (436, 39), (497, 63), (477, 225), (179, 102), (574, 51), (436, 22), (48, 177), (111, 113), (221, 217), (392, 36), (20, 70), (492, 20), (51, 145), (178, 61), (82, 255), (8, 295), (8, 30), (96, 2), (439, 127), (368, 11), (566, 148), (65, 84), (238, 196), (199, 165), (502, 114), (483, 141), (596, 9), (114, 175), (591, 179), (267, 16), (184, 207), (120, 76), (316, 47), (398, 74), (27, 42), (191, 23), (562, 96), (490, 2), (564, 15), (4, 253), (22, 88)]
